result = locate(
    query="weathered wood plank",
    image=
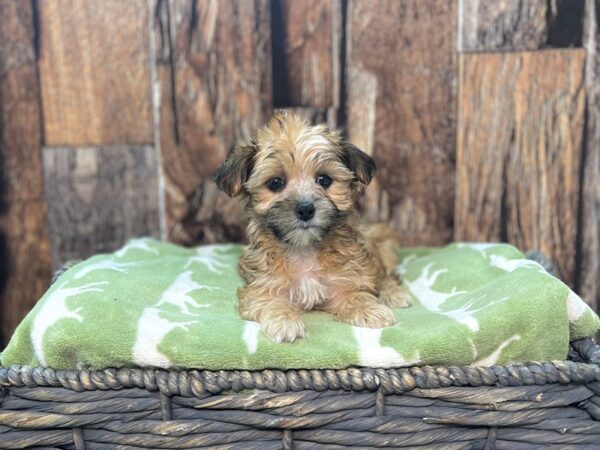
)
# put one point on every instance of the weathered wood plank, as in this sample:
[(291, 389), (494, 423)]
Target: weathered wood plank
[(306, 52), (95, 72), (21, 132), (25, 252), (328, 116), (519, 25), (214, 72), (212, 217), (16, 36), (98, 198), (589, 281), (29, 267), (402, 69), (519, 151)]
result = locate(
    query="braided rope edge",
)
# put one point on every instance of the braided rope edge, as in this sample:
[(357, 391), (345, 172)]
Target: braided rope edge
[(198, 383)]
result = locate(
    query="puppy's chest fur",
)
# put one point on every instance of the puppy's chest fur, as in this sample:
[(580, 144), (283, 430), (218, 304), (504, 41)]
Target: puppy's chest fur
[(308, 287)]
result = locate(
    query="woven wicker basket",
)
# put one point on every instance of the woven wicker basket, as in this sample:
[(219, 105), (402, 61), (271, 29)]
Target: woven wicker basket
[(520, 406), (529, 406)]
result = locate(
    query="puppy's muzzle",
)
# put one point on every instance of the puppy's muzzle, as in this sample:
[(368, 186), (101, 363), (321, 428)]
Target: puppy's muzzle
[(305, 211)]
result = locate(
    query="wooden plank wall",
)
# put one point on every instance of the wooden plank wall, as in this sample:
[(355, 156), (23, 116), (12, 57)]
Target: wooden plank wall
[(519, 150), (521, 127), (98, 197), (402, 111), (483, 117), (588, 270), (25, 258), (213, 64), (94, 72)]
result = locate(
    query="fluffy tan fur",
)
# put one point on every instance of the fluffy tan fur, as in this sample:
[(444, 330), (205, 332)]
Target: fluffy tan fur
[(331, 262)]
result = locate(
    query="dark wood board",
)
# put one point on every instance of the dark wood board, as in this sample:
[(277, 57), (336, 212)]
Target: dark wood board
[(98, 198), (24, 246), (306, 52), (29, 269), (519, 151), (401, 65), (214, 73), (589, 242), (519, 25)]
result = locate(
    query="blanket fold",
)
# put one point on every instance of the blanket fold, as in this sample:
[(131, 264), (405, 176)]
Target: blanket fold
[(154, 304)]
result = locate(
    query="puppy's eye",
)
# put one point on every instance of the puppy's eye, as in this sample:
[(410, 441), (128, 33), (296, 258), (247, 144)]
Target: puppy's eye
[(275, 184), (324, 180)]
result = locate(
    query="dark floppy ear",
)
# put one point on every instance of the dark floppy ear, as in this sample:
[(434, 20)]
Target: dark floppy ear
[(358, 162), (236, 169)]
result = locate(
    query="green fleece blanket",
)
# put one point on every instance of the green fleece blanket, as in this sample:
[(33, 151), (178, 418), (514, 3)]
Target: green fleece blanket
[(160, 305)]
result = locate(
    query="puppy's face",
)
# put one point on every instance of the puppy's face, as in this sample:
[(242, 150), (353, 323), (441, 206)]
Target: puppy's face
[(299, 181)]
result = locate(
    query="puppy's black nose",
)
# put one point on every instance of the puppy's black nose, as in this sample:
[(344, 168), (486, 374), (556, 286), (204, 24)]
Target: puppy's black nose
[(305, 211)]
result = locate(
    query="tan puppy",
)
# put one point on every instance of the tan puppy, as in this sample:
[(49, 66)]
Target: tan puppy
[(299, 184)]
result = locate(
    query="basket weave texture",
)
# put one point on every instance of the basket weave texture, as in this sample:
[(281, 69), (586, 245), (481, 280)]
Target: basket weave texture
[(522, 406), (519, 406)]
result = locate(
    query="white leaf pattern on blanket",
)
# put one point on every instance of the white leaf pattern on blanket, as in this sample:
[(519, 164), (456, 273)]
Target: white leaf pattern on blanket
[(106, 264), (152, 327), (151, 330), (178, 294), (495, 355), (372, 354), (480, 247), (464, 314), (54, 309), (250, 336), (474, 351), (422, 288), (401, 268), (510, 265), (576, 307), (138, 244), (207, 255)]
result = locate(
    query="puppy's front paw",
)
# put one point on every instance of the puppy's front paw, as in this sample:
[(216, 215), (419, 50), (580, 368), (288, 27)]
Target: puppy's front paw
[(370, 316), (395, 296), (283, 329)]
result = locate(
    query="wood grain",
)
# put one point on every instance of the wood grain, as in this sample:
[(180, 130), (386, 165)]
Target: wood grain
[(589, 281), (29, 261), (519, 150), (95, 72), (518, 25), (214, 73), (98, 198), (402, 69), (306, 52), (16, 36), (24, 245), (315, 116)]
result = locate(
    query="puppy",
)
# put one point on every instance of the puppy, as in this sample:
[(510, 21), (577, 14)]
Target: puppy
[(299, 184)]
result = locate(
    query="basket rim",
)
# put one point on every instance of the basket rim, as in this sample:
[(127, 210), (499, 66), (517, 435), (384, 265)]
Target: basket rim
[(197, 382)]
